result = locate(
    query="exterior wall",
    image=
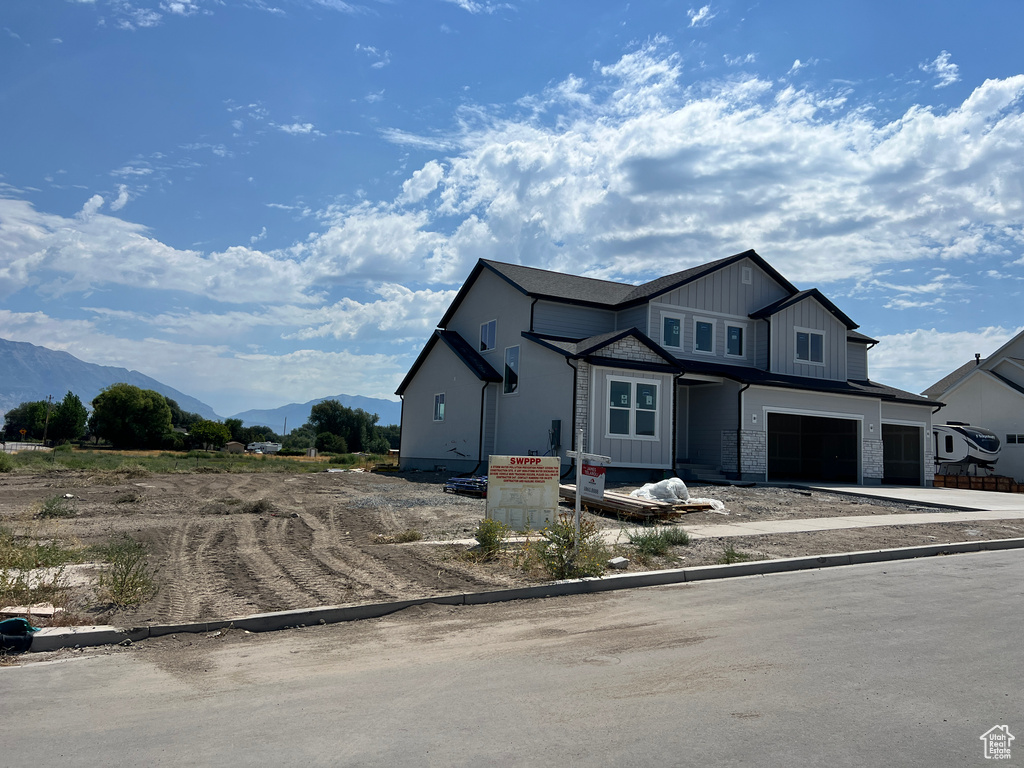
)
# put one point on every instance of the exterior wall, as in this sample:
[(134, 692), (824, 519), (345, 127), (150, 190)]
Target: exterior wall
[(724, 292), (544, 394), (754, 458), (986, 402), (571, 321), (492, 299), (454, 442), (652, 453), (713, 410), (811, 315), (635, 317), (762, 342), (720, 323), (856, 361)]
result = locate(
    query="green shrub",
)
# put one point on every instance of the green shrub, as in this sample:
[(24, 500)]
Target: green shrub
[(5, 463), (55, 506), (127, 580), (564, 556), (730, 556), (490, 534), (655, 542), (408, 536)]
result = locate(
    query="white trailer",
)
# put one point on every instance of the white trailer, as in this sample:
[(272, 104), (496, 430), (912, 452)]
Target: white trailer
[(961, 449)]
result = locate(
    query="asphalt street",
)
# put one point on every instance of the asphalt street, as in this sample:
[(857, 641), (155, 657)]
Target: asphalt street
[(904, 663)]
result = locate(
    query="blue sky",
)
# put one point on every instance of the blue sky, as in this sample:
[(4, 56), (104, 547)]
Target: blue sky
[(268, 201)]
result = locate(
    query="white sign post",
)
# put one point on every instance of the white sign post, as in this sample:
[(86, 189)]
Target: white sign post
[(580, 459)]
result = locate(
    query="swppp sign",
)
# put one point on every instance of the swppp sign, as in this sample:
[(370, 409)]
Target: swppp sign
[(522, 491)]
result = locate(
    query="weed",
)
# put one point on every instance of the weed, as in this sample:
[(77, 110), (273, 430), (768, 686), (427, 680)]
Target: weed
[(564, 556), (5, 462), (127, 580), (407, 536), (258, 507), (490, 534), (730, 556), (21, 580), (55, 506), (128, 497), (655, 542)]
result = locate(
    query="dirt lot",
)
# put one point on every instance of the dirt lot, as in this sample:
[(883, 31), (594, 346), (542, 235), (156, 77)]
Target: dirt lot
[(227, 545)]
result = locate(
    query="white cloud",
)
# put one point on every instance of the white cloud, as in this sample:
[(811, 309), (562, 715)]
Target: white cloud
[(944, 69), (700, 17), (380, 59), (473, 6), (300, 129), (122, 198), (737, 61), (422, 182)]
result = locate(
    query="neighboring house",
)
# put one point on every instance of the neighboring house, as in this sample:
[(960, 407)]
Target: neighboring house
[(725, 367), (989, 393), (233, 446)]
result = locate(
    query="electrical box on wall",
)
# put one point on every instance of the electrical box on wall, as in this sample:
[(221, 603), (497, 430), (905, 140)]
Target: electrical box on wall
[(555, 435)]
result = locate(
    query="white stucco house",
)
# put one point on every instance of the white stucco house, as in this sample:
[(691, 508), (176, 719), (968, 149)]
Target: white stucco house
[(724, 368)]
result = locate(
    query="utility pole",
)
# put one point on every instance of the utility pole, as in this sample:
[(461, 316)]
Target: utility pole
[(46, 424)]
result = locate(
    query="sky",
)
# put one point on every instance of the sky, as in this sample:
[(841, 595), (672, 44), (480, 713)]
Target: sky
[(260, 202)]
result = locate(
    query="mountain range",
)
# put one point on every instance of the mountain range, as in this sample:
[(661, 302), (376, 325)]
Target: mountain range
[(29, 372)]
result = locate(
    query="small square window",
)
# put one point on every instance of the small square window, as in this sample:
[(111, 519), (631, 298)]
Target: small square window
[(488, 335), (439, 407), (810, 347)]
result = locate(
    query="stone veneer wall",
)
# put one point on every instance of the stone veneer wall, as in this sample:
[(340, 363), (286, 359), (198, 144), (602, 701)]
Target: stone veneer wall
[(872, 460), (755, 454), (730, 457), (582, 404)]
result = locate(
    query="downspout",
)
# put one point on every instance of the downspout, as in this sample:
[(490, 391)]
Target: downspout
[(572, 420), (480, 444), (532, 305), (739, 431), (675, 423), (401, 421)]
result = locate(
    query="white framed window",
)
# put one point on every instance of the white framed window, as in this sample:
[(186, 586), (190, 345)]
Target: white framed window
[(704, 335), (633, 408), (735, 340), (511, 385), (439, 407), (672, 331), (488, 335), (810, 346)]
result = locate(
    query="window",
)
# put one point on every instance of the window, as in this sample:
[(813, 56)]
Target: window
[(1015, 439), (671, 331), (511, 370), (810, 347), (704, 336), (488, 332), (734, 341), (632, 408), (747, 275), (439, 407)]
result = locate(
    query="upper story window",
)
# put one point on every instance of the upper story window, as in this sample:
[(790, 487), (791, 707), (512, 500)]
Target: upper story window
[(439, 407), (488, 334), (671, 331), (632, 408), (703, 335), (810, 346), (734, 343), (511, 370)]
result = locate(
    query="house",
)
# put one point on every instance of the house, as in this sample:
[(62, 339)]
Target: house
[(989, 393), (724, 368), (233, 446)]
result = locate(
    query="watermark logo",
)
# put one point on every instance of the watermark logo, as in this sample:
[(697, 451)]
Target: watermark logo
[(997, 742)]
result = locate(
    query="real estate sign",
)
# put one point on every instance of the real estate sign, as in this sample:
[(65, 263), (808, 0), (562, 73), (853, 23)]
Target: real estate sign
[(592, 486), (522, 491)]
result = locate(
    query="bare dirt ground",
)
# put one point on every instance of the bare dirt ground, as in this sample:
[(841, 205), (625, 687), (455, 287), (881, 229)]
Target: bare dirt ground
[(226, 545)]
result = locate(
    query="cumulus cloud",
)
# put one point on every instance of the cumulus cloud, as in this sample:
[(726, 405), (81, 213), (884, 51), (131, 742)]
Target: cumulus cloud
[(122, 198), (944, 70)]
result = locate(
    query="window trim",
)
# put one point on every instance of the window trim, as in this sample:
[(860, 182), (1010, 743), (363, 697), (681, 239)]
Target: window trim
[(494, 336), (743, 340), (504, 377), (608, 408), (796, 346), (682, 327), (439, 400), (713, 322)]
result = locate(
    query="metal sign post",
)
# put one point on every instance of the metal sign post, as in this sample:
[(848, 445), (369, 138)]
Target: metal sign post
[(580, 457)]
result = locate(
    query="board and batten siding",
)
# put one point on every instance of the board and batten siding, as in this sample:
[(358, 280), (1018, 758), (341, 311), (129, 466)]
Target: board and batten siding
[(570, 320), (808, 314), (720, 322), (724, 292), (626, 452)]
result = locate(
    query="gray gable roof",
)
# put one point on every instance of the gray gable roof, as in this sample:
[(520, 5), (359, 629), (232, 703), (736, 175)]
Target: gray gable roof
[(796, 298), (462, 349), (946, 382), (606, 294)]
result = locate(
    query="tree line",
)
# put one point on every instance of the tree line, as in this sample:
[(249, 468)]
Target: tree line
[(127, 416)]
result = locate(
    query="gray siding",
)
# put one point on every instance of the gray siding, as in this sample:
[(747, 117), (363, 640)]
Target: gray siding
[(493, 299), (762, 344), (634, 317), (856, 361), (724, 291), (654, 454), (571, 321), (811, 315)]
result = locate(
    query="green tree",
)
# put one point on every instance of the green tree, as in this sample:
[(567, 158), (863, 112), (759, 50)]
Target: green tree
[(328, 443), (67, 421), (180, 418), (357, 427), (209, 433), (236, 429), (299, 439), (130, 417), (30, 416)]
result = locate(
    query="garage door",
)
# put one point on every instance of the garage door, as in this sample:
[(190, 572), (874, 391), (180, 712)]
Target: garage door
[(901, 454), (812, 448)]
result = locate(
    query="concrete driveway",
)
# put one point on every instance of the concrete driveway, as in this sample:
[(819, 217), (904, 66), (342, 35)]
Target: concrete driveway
[(955, 498)]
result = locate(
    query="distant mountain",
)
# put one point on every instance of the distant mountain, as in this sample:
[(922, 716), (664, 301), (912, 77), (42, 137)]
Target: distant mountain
[(297, 414), (28, 372)]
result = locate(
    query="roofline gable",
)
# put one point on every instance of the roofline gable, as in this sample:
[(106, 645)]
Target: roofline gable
[(811, 293), (461, 349)]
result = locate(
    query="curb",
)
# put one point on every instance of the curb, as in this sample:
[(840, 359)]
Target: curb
[(55, 638)]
